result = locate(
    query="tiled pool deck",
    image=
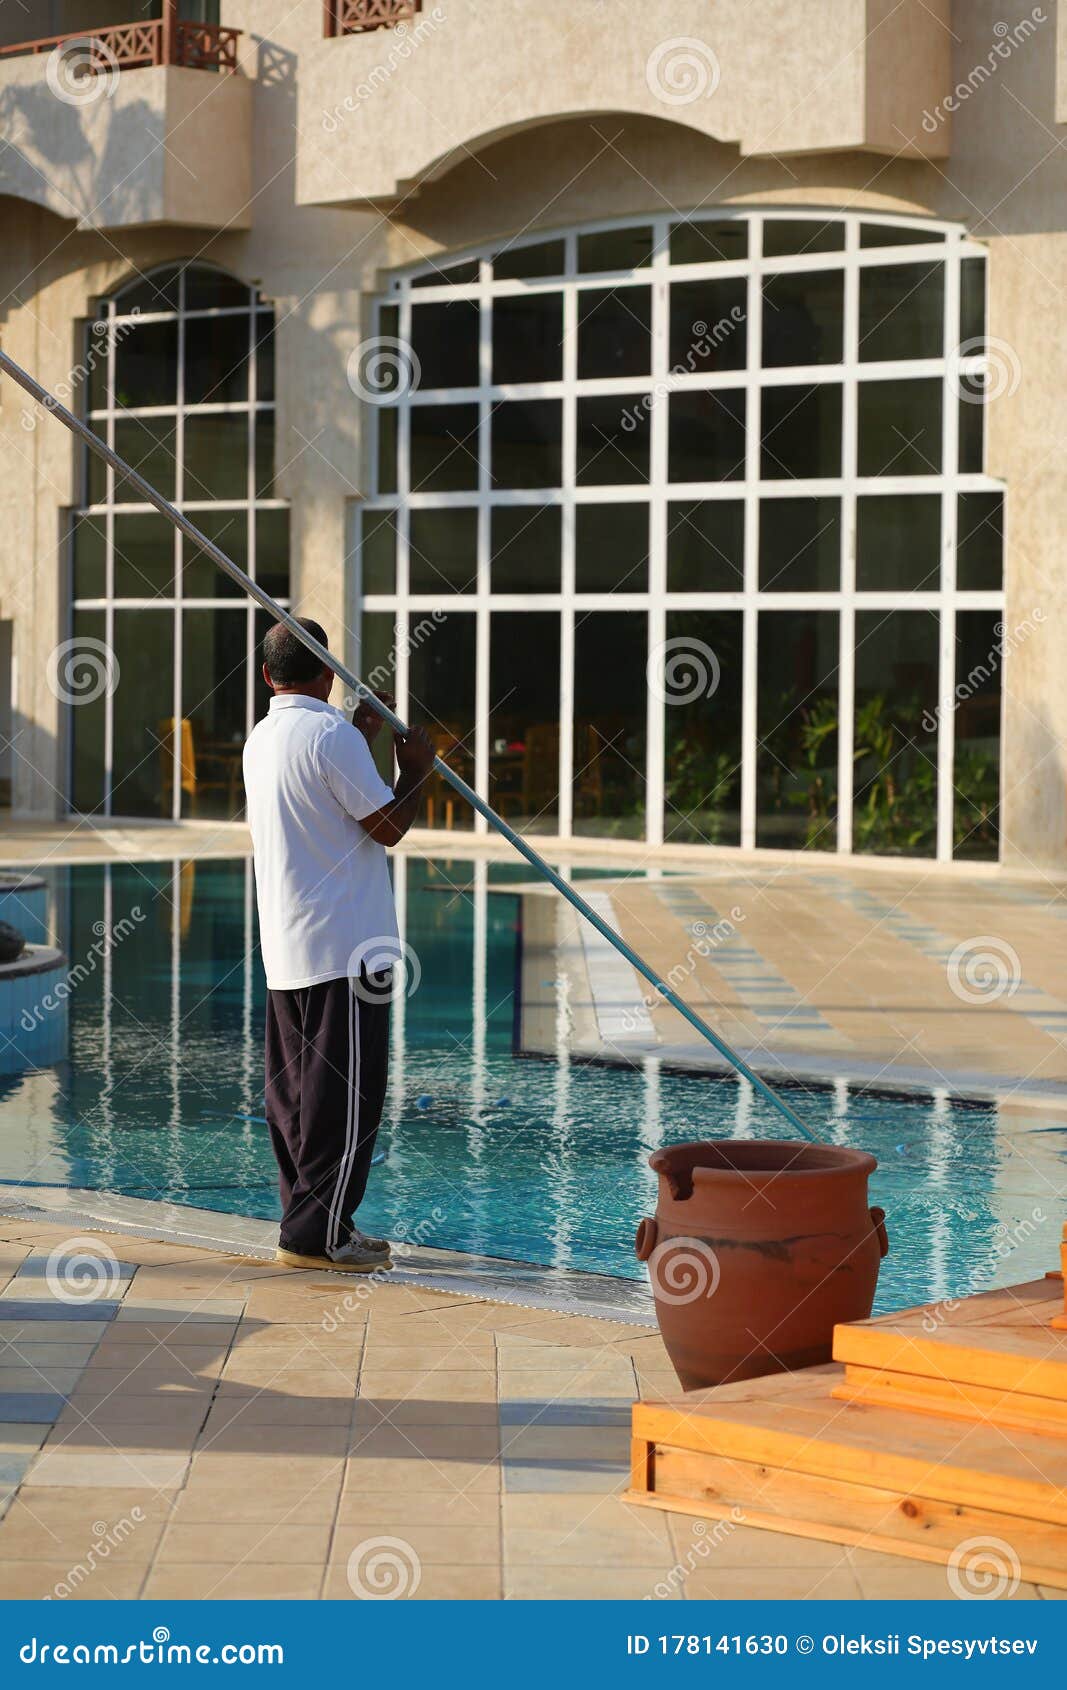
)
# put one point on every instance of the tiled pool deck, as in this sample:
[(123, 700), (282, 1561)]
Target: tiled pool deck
[(211, 1427)]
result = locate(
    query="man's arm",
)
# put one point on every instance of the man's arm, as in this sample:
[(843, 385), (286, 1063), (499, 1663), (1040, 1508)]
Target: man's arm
[(414, 756)]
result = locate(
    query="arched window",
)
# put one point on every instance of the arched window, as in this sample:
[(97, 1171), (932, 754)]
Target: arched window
[(181, 383), (690, 518)]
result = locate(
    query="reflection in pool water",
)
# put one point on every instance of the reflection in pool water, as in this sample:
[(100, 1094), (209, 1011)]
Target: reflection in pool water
[(527, 1158)]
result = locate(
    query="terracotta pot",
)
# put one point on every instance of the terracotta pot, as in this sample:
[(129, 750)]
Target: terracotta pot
[(756, 1252)]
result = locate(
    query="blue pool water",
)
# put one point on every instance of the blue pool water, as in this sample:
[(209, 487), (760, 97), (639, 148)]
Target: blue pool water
[(487, 1150)]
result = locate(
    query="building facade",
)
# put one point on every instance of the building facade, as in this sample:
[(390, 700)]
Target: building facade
[(662, 401)]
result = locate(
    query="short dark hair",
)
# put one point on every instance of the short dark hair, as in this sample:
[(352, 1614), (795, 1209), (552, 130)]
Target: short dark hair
[(288, 660)]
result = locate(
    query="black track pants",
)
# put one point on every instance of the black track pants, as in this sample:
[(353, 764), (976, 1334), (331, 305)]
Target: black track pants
[(326, 1071)]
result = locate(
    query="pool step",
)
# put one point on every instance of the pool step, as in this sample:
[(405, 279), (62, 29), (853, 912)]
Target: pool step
[(922, 1437)]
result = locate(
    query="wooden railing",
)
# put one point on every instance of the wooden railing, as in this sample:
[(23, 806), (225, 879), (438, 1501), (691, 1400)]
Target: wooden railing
[(129, 46), (353, 17)]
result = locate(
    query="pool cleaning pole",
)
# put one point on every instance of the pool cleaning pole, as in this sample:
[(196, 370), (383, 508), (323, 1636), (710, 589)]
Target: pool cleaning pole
[(189, 529)]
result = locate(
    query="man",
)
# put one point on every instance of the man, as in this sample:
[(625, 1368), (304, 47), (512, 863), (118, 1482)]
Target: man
[(321, 816)]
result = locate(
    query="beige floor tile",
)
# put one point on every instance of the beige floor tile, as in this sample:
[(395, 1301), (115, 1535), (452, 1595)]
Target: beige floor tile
[(121, 1408), (57, 1524), (772, 1584), (226, 1542), (285, 1439), (429, 1358), (438, 1545), (59, 1580), (918, 1581), (471, 1385), (254, 1581), (415, 1472), (398, 1510), (435, 1584), (273, 1408), (19, 1439), (461, 1443), (707, 1544), (206, 1501), (418, 1411), (109, 1469), (579, 1583), (45, 1354), (172, 1334), (1049, 1593)]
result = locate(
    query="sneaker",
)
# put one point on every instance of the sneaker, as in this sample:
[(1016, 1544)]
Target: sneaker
[(382, 1245), (351, 1257)]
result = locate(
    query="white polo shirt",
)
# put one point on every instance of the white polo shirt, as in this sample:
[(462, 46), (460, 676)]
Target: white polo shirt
[(322, 883)]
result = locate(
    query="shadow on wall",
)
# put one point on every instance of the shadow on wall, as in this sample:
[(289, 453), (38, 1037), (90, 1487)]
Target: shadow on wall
[(93, 174)]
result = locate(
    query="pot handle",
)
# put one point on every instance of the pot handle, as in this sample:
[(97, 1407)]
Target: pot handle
[(645, 1242), (878, 1219)]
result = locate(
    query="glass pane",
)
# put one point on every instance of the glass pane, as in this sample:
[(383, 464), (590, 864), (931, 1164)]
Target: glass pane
[(89, 557), (377, 552), (457, 275), (701, 684), (979, 655), (891, 234), (611, 548), (708, 327), (376, 665), (799, 545), (545, 258), (614, 332), (87, 714), (272, 552), (443, 551), (265, 356), (706, 546), (525, 542), (143, 714), (610, 655), (264, 438), (216, 360), (971, 450), (387, 443), (902, 311), (157, 292), (615, 249), (444, 344), (214, 673), (980, 542), (528, 339), (710, 242), (527, 443), (442, 676), (899, 428), (783, 236), (797, 714), (801, 432), (96, 355), (972, 304), (216, 457), (444, 448), (201, 576), (148, 444), (613, 440), (895, 799), (144, 556), (898, 543), (146, 365), (524, 717), (804, 317), (706, 436), (212, 290)]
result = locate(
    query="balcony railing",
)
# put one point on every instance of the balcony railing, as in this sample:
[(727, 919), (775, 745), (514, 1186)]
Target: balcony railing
[(354, 17), (130, 46)]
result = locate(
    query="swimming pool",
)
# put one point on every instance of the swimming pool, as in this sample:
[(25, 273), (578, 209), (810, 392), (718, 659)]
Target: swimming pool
[(488, 1151)]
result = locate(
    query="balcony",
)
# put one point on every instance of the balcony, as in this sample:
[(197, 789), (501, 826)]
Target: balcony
[(118, 126), (382, 111)]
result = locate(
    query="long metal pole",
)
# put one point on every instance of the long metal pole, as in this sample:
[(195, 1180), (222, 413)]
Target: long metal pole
[(525, 849)]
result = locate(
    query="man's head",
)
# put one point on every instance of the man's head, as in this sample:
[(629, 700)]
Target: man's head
[(288, 665)]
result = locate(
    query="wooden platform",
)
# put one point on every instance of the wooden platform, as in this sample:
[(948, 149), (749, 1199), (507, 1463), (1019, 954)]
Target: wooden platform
[(931, 1427)]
